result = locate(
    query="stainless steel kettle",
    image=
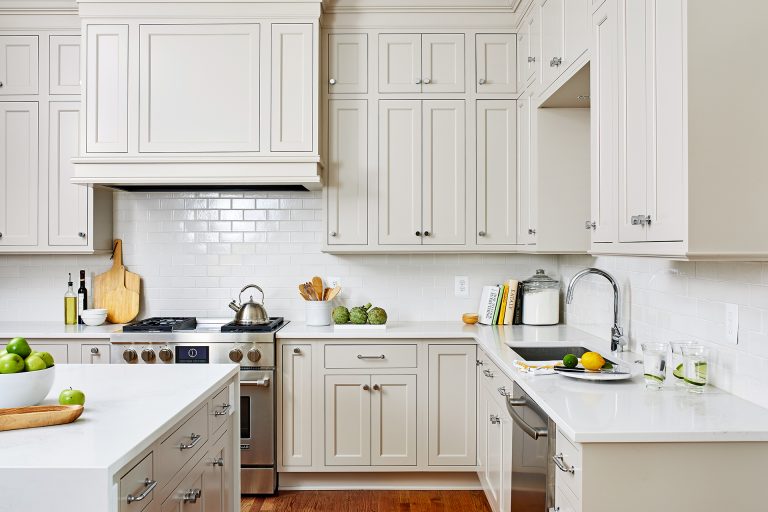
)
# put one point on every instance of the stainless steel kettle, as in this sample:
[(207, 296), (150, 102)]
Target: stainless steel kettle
[(251, 312)]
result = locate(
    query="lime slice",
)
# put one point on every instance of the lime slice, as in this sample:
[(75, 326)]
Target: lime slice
[(695, 382), (607, 366), (679, 371), (655, 377), (701, 370)]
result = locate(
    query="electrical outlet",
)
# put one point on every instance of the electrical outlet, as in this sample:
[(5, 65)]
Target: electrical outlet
[(732, 323), (461, 286), (332, 282)]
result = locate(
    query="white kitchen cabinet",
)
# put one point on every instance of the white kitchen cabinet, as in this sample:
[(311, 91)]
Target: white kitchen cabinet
[(576, 16), (393, 420), (442, 62), (399, 63), (452, 405), (193, 100), (564, 36), (59, 351), (292, 87), (64, 55), (496, 62), (526, 170), (94, 353), (347, 190), (19, 173), (19, 69), (421, 63), (496, 473), (107, 89), (532, 61), (497, 172), (296, 404), (523, 49), (347, 420), (347, 63)]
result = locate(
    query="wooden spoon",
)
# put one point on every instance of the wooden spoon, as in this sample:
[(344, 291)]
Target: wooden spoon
[(310, 291), (333, 293), (317, 284), (303, 292)]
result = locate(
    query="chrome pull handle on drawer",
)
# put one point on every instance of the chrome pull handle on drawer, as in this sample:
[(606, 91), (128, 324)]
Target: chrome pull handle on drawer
[(360, 356), (192, 495), (561, 465), (195, 438), (149, 486), (219, 461), (534, 432), (224, 409)]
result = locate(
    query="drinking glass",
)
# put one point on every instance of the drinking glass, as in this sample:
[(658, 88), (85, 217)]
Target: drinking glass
[(655, 364), (696, 367), (676, 362)]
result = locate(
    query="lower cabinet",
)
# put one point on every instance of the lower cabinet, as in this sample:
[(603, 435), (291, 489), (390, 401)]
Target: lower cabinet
[(296, 411), (95, 354), (59, 351)]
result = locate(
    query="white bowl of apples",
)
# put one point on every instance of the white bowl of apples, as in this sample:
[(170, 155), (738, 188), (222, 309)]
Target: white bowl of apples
[(26, 376)]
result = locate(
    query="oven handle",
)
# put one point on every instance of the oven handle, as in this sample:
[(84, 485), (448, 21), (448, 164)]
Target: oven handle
[(264, 383), (534, 432)]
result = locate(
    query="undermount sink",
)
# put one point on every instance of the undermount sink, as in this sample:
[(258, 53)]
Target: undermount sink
[(549, 353)]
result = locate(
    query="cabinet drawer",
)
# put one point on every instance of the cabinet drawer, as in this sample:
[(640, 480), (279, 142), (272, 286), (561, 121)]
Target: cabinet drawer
[(94, 354), (370, 356), (179, 447), (569, 456), (137, 483), (219, 408), (565, 501)]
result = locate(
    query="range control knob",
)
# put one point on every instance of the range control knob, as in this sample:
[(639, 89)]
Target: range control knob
[(148, 355), (254, 355), (236, 355), (166, 355), (129, 355)]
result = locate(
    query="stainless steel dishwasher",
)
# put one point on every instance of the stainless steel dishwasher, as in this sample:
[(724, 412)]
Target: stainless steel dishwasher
[(533, 442)]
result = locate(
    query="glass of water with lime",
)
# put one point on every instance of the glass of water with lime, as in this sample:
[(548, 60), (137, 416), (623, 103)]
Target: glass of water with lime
[(654, 364), (676, 362), (695, 367)]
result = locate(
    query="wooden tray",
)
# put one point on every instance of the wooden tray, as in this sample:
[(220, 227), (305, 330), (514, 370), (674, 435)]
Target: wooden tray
[(38, 416)]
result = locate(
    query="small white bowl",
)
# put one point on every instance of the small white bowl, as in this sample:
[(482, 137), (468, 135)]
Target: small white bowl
[(93, 317), (25, 388)]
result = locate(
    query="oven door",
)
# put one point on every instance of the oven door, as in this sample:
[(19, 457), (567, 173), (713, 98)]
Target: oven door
[(257, 418)]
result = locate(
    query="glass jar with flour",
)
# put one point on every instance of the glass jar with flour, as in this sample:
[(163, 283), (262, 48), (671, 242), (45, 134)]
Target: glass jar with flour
[(541, 300)]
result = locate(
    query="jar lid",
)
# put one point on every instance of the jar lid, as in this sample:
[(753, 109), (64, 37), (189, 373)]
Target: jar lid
[(541, 279)]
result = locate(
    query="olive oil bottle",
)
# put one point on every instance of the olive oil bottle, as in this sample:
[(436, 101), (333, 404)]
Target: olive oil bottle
[(70, 304)]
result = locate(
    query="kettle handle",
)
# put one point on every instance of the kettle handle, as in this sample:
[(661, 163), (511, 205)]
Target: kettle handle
[(240, 297)]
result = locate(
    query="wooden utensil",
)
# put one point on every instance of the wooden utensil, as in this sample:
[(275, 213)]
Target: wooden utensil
[(303, 292), (317, 284), (325, 293), (38, 416), (117, 290), (310, 291), (333, 293)]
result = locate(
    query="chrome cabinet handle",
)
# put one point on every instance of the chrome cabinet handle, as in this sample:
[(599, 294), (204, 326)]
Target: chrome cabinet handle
[(219, 461), (531, 231), (561, 464), (418, 81), (1, 235), (534, 432), (81, 234), (297, 350), (503, 392), (590, 224), (555, 62), (494, 419), (376, 387), (195, 438), (478, 362), (192, 495), (481, 233), (427, 81), (640, 220), (332, 233), (360, 356), (366, 387), (531, 59), (481, 81), (488, 373), (149, 486), (262, 383), (332, 81), (224, 409)]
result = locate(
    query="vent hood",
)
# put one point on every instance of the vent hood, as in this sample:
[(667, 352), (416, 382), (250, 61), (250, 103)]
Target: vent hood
[(199, 94)]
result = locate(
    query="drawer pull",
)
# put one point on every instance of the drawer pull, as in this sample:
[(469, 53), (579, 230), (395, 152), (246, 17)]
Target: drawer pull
[(488, 373), (192, 495), (224, 409), (561, 465), (195, 438), (219, 461), (360, 356), (149, 486)]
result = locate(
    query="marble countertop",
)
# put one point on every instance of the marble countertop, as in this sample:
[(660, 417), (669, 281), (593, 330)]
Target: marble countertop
[(56, 330)]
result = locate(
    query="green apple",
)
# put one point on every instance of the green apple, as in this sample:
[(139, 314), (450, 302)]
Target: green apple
[(45, 356), (19, 346), (11, 363), (3, 352), (34, 363), (72, 397)]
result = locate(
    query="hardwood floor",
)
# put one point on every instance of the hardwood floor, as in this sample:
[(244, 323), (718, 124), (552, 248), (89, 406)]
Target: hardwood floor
[(367, 501)]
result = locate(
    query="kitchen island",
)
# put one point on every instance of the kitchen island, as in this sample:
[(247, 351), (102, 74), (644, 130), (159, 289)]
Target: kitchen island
[(146, 431)]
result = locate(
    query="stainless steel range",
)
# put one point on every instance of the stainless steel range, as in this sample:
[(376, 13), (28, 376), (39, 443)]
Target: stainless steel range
[(186, 341)]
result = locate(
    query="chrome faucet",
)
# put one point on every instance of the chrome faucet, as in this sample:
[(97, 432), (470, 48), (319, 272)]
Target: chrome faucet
[(617, 333)]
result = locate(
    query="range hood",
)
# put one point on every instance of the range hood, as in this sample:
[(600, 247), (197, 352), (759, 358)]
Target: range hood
[(199, 95)]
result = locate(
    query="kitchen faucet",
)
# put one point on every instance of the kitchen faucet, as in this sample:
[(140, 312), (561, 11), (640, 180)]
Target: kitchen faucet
[(617, 333)]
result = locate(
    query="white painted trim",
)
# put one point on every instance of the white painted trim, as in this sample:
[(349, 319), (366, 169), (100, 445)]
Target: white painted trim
[(465, 481)]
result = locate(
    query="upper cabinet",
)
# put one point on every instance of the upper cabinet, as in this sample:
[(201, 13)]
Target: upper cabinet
[(564, 36), (347, 63), (19, 69), (415, 63), (64, 76), (497, 63)]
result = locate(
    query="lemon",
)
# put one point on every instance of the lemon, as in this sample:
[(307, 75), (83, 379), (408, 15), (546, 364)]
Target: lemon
[(592, 361), (570, 361)]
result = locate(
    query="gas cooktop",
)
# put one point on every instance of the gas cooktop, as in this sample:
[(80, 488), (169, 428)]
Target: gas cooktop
[(274, 323), (162, 324)]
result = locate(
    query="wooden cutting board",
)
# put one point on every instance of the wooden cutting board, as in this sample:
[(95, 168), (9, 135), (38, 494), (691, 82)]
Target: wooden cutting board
[(38, 416), (117, 290)]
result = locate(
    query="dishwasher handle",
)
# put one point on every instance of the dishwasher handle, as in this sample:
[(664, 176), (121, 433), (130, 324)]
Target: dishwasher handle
[(534, 432)]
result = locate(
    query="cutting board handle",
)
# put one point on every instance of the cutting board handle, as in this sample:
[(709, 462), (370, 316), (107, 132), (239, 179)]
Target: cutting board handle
[(117, 253)]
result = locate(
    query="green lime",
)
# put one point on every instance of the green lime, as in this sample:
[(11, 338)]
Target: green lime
[(695, 382), (608, 366), (701, 370), (678, 372), (654, 377), (570, 361)]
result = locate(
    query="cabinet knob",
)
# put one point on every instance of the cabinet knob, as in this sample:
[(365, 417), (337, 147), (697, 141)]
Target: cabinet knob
[(332, 233), (376, 387), (555, 62), (427, 81), (297, 350), (1, 84), (81, 234), (219, 461), (366, 387), (418, 233), (495, 420), (481, 81), (418, 81), (590, 224), (332, 81), (481, 233), (1, 235), (426, 233), (531, 60), (95, 351), (531, 231)]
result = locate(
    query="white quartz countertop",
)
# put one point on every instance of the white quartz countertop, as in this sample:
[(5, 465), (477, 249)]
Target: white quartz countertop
[(586, 412), (56, 330), (127, 407)]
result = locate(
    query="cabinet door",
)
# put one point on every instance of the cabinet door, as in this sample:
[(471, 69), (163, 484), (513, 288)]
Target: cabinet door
[(393, 420), (523, 43), (452, 405), (347, 420), (347, 172), (347, 63), (18, 173), (506, 426), (214, 476), (444, 172), (68, 204), (18, 65), (59, 351), (180, 501), (400, 63), (442, 62), (497, 62), (496, 172), (494, 449), (193, 100), (106, 90), (525, 171), (551, 39), (533, 61), (94, 354), (604, 79), (64, 65), (297, 405), (400, 180), (575, 30), (292, 87)]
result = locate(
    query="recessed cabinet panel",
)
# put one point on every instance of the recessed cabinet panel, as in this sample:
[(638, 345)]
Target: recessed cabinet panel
[(551, 39), (292, 87), (393, 420), (192, 99), (523, 45), (297, 405), (444, 172), (64, 65), (347, 172), (496, 172), (19, 173), (400, 63), (442, 62), (67, 203), (347, 420), (347, 63), (497, 62), (400, 177), (533, 61), (576, 30), (107, 89), (18, 65), (526, 199)]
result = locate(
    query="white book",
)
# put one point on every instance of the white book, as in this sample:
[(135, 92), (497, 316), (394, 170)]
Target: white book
[(487, 308)]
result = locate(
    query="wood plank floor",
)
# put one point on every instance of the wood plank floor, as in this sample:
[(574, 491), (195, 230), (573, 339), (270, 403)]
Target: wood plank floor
[(367, 501)]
